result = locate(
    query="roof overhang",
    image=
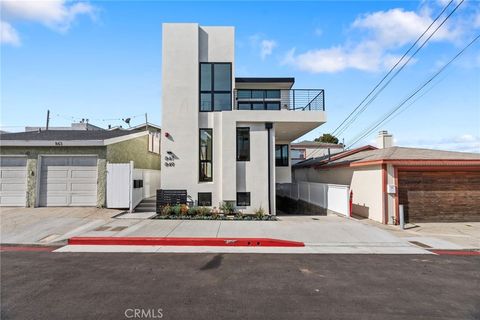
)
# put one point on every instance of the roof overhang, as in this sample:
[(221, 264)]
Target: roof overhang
[(70, 143)]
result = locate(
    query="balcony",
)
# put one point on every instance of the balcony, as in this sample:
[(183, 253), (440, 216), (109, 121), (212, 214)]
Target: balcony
[(279, 99)]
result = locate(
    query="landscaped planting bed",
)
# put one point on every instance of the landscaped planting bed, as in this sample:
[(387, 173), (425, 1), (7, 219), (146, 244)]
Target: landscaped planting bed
[(226, 212)]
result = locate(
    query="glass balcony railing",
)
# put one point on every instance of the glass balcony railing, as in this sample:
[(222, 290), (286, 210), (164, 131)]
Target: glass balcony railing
[(280, 99)]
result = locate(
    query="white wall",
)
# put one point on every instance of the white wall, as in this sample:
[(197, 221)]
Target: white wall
[(365, 182), (329, 196), (151, 182)]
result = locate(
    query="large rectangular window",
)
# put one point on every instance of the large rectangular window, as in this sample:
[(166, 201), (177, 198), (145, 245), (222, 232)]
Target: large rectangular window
[(215, 86), (243, 144), (205, 199), (258, 99), (205, 155), (243, 199), (281, 155)]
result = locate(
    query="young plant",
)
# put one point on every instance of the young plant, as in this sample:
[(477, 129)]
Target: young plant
[(227, 207), (166, 210), (176, 210), (183, 209), (203, 211), (193, 211), (259, 213)]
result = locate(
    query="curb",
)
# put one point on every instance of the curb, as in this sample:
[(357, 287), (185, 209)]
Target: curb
[(171, 241), (456, 252)]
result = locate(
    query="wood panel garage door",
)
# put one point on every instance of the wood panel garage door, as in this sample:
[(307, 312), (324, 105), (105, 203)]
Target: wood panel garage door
[(68, 181), (440, 196), (13, 181)]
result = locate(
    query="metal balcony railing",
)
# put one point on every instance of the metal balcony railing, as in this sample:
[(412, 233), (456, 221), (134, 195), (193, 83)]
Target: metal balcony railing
[(280, 99)]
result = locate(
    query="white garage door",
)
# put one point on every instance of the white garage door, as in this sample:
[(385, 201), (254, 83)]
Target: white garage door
[(68, 181), (13, 181)]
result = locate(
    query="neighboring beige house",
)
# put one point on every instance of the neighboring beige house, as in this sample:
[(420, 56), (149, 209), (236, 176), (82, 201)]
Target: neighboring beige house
[(305, 149), (432, 185), (67, 167), (226, 138)]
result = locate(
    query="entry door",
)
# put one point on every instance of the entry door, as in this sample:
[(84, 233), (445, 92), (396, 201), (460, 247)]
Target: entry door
[(13, 181), (68, 181)]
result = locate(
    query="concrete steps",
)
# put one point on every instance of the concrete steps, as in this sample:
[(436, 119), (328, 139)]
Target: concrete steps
[(147, 205)]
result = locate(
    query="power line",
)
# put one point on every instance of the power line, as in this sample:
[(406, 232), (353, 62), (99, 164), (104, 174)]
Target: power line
[(393, 68), (401, 68), (392, 111)]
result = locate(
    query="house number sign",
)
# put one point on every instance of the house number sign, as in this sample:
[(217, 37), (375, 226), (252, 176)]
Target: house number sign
[(169, 161)]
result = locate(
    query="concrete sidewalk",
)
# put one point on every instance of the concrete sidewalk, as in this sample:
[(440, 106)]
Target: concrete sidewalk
[(321, 234)]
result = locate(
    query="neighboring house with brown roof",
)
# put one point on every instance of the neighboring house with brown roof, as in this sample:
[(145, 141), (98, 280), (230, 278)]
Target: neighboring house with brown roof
[(432, 185), (309, 149)]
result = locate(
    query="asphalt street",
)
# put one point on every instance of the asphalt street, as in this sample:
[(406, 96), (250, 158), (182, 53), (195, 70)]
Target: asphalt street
[(47, 285)]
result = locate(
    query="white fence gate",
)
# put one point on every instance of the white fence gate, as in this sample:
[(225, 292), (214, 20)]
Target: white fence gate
[(121, 192), (332, 197)]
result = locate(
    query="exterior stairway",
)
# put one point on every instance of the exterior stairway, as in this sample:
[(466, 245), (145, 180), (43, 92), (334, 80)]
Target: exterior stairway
[(147, 205)]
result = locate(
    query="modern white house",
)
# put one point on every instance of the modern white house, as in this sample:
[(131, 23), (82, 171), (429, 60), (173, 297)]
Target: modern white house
[(225, 138)]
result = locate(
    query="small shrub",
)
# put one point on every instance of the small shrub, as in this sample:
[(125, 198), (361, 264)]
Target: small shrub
[(176, 209), (183, 209), (193, 211), (227, 207), (203, 211), (259, 213), (215, 212), (166, 210)]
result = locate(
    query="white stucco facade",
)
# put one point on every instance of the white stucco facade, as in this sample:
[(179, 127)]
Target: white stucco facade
[(185, 47)]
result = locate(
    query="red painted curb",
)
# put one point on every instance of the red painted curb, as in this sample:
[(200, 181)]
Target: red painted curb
[(456, 252), (168, 241)]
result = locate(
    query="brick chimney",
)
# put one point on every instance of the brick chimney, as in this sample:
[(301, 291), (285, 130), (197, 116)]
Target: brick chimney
[(384, 140)]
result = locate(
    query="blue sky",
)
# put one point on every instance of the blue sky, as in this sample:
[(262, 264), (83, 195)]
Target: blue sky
[(102, 61)]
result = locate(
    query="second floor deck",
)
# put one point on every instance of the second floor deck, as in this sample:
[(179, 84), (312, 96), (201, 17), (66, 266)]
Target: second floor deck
[(279, 99)]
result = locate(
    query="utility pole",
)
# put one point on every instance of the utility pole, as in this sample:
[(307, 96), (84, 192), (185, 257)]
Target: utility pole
[(48, 119), (146, 121)]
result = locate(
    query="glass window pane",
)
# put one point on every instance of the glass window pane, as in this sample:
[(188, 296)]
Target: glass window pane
[(205, 171), (243, 199), (205, 102), (257, 94), (205, 199), (273, 94), (244, 94), (243, 144), (244, 106), (273, 106), (258, 106), (222, 101), (205, 77), (205, 144), (222, 79), (281, 155)]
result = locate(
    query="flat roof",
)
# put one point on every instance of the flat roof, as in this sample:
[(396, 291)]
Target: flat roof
[(65, 135), (265, 80)]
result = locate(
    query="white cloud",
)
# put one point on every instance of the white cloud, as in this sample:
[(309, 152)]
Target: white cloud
[(54, 14), (8, 34), (463, 143), (266, 48), (383, 33)]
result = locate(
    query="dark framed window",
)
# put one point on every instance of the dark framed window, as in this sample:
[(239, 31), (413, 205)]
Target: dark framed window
[(243, 199), (248, 99), (205, 155), (243, 144), (281, 155), (215, 86), (205, 199)]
